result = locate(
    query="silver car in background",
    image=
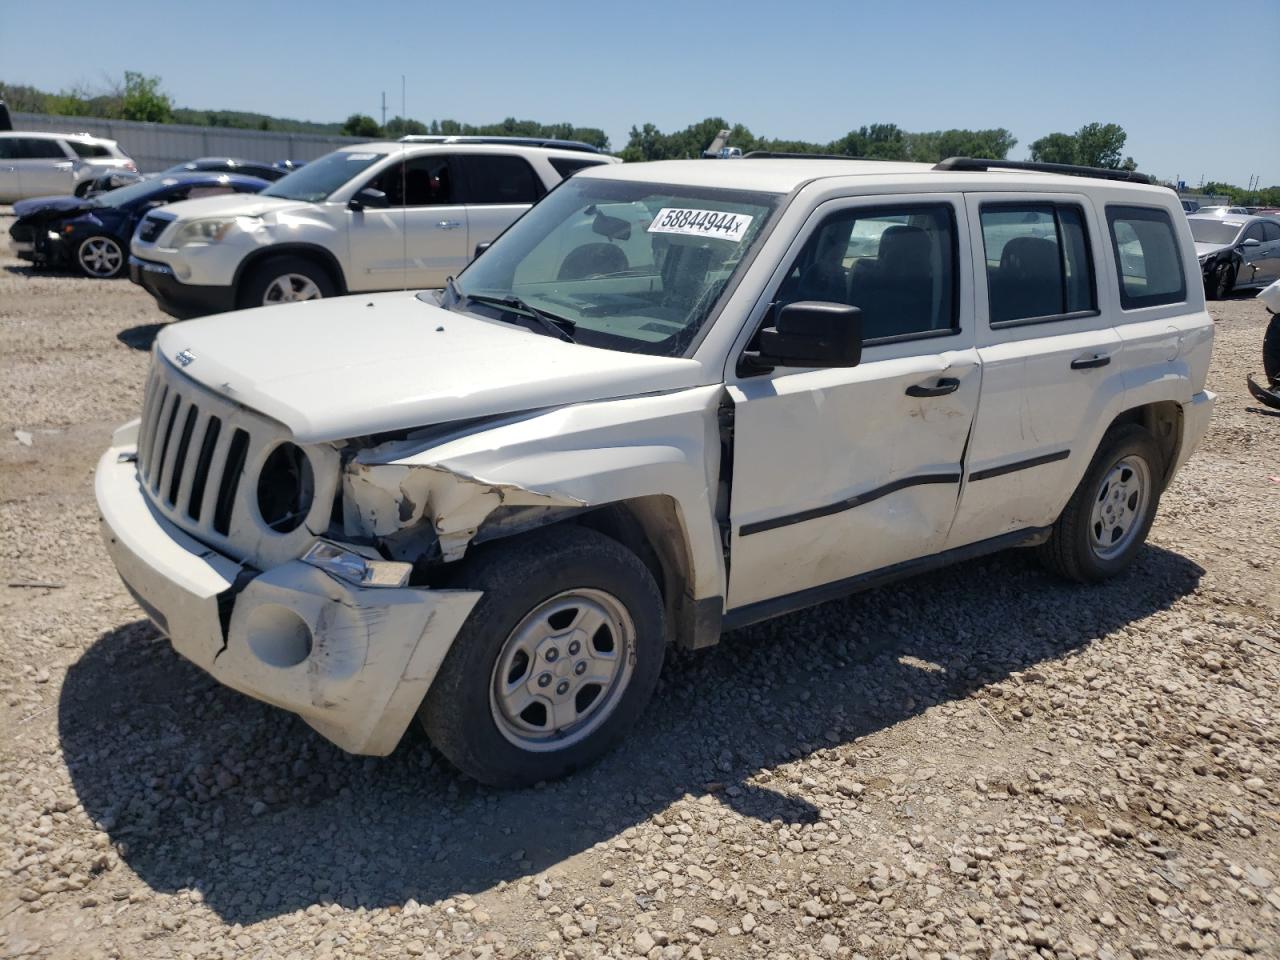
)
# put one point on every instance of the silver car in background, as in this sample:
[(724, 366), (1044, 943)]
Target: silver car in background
[(1236, 252), (55, 164)]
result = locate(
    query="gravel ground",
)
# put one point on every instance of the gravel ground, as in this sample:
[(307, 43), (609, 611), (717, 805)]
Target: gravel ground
[(981, 762)]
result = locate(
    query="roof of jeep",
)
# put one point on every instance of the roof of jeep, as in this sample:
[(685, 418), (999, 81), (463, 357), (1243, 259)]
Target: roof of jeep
[(782, 175)]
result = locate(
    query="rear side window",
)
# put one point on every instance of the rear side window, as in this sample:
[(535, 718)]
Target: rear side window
[(1037, 262), (1271, 231), (88, 150), (498, 179), (1147, 257), (418, 182), (567, 168), (896, 264)]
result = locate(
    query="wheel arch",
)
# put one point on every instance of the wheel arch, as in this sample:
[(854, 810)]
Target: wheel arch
[(1163, 420), (314, 252)]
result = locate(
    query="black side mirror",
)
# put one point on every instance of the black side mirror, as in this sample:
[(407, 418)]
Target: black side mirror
[(812, 333), (368, 197), (481, 248)]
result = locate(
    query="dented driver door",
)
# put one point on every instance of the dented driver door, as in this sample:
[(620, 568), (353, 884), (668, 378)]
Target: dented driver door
[(839, 472)]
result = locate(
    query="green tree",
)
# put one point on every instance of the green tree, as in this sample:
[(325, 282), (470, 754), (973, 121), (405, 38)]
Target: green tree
[(142, 99), (1054, 148), (1093, 145), (361, 125), (400, 127)]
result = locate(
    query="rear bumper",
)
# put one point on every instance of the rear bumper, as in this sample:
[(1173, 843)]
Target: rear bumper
[(1195, 421), (353, 662), (178, 299)]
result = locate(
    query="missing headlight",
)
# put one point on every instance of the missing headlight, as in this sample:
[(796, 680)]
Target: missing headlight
[(286, 488)]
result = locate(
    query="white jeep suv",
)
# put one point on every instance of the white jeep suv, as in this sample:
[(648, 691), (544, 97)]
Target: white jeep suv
[(54, 164), (375, 216), (672, 399)]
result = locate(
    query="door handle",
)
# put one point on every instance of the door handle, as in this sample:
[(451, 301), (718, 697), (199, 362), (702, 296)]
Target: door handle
[(942, 388), (448, 224), (1088, 363)]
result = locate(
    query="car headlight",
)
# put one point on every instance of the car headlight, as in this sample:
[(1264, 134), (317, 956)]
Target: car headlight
[(212, 230), (361, 571)]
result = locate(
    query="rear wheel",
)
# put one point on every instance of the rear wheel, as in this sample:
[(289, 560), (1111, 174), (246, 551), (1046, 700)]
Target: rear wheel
[(100, 257), (1222, 281), (1107, 519), (285, 280), (556, 661)]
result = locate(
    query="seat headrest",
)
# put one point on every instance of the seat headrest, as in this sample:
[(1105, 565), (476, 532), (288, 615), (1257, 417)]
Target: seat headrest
[(902, 246), (1030, 257)]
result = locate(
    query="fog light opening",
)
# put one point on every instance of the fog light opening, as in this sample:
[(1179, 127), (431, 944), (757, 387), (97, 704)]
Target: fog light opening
[(278, 636)]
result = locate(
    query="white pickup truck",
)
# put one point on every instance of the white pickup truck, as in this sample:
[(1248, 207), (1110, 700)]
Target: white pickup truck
[(672, 399)]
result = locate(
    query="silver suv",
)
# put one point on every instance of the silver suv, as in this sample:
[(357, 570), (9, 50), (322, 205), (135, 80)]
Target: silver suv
[(44, 164)]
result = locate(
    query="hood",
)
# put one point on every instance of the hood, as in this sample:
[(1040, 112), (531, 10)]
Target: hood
[(233, 205), (50, 206), (1203, 248), (351, 366)]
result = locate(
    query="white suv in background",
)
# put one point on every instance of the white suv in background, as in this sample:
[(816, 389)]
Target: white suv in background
[(374, 216), (54, 164), (673, 399)]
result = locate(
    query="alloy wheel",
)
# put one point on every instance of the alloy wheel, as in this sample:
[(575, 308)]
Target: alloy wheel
[(290, 288), (100, 257)]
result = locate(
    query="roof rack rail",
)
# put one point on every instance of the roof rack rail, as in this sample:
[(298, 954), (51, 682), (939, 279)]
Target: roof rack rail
[(551, 142), (772, 155), (1068, 169)]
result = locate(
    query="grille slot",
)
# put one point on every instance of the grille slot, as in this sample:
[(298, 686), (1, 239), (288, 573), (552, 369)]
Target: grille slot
[(151, 228), (180, 458), (203, 462), (230, 482), (157, 468)]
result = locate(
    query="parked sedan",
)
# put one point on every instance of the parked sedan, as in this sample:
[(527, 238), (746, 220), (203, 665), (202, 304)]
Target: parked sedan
[(249, 168), (92, 234), (1236, 252)]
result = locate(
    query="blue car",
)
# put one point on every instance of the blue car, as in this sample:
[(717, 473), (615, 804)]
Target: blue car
[(92, 234)]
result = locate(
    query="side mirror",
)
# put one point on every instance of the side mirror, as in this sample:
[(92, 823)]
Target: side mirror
[(481, 248), (1251, 242), (368, 197), (812, 333)]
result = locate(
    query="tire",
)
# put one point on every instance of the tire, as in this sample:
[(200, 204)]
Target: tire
[(83, 188), (537, 589), (1222, 282), (1271, 351), (101, 257), (269, 282), (1084, 545)]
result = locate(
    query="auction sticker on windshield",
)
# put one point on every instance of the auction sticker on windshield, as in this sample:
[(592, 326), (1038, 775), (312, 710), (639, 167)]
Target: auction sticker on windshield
[(701, 223)]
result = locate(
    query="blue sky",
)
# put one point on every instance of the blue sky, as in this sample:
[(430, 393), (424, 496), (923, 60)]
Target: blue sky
[(807, 70)]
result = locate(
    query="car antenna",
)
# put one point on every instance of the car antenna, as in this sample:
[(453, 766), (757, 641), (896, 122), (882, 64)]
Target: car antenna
[(404, 201)]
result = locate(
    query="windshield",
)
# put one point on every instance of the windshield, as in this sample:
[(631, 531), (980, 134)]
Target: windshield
[(632, 266), (123, 196), (1214, 231), (319, 178)]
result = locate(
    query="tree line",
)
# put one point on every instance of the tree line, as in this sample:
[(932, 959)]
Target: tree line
[(140, 97)]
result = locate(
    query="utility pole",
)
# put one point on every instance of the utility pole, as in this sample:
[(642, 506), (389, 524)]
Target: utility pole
[(384, 108)]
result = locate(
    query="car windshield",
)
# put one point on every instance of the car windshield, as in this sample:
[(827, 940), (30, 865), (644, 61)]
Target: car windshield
[(123, 196), (1214, 231), (631, 266), (319, 178)]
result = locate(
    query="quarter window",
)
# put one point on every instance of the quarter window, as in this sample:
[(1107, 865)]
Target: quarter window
[(1271, 231), (896, 264), (493, 178), (567, 168), (1037, 262), (1147, 257), (88, 150)]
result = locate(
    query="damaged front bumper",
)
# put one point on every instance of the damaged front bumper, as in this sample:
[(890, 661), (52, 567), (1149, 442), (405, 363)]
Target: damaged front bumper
[(353, 662)]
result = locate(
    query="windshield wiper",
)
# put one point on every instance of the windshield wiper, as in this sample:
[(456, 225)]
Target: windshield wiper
[(452, 287), (561, 327)]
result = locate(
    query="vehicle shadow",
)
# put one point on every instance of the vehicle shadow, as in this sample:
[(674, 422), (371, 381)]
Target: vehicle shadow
[(140, 337), (200, 787)]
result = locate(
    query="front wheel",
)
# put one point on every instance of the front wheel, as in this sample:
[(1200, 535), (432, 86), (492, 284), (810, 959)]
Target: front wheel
[(100, 257), (556, 661), (1106, 521), (285, 280)]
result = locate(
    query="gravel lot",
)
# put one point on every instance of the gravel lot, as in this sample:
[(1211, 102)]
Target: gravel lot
[(982, 762)]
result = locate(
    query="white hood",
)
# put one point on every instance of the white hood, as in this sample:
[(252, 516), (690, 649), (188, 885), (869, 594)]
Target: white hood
[(350, 366), (230, 205)]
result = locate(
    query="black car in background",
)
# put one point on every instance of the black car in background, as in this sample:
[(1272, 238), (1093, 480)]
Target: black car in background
[(92, 234), (249, 168)]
